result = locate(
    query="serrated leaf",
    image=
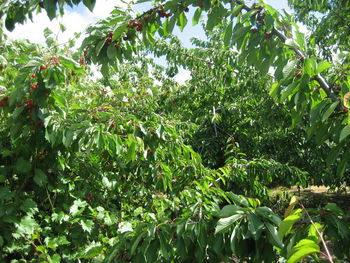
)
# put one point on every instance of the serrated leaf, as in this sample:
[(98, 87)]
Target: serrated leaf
[(87, 225), (27, 226)]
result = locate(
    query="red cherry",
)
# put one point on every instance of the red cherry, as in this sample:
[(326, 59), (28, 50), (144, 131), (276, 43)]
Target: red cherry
[(200, 4), (109, 39), (33, 76), (89, 197), (43, 67), (19, 105), (254, 30), (345, 110), (33, 87), (113, 124)]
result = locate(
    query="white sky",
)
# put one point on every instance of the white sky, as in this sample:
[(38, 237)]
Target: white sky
[(77, 20)]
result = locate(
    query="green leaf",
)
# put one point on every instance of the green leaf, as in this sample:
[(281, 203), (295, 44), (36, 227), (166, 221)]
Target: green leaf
[(50, 7), (93, 250), (61, 101), (334, 208), (333, 155), (289, 90), (255, 226), (23, 166), (27, 226), (40, 177), (56, 258), (267, 213), (272, 234), (135, 243), (224, 224), (87, 225), (131, 155), (329, 111), (111, 51), (182, 21), (287, 224), (74, 209), (71, 64), (68, 138), (196, 16), (215, 16), (18, 111), (302, 249), (99, 46), (343, 164), (90, 4), (29, 207), (228, 34), (310, 67), (324, 65), (289, 68), (344, 133), (170, 24), (230, 210)]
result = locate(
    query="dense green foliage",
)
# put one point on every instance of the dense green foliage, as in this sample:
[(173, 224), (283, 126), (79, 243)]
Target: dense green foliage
[(135, 167)]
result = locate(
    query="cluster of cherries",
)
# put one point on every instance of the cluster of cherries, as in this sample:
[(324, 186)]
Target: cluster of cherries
[(163, 14), (137, 25), (4, 101), (260, 20)]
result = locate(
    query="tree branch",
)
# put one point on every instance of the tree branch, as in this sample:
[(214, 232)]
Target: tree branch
[(319, 78)]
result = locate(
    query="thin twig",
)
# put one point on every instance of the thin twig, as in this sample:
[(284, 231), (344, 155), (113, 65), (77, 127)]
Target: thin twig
[(319, 233)]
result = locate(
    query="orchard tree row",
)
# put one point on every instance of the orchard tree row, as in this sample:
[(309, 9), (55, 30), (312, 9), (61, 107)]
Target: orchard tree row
[(135, 167)]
